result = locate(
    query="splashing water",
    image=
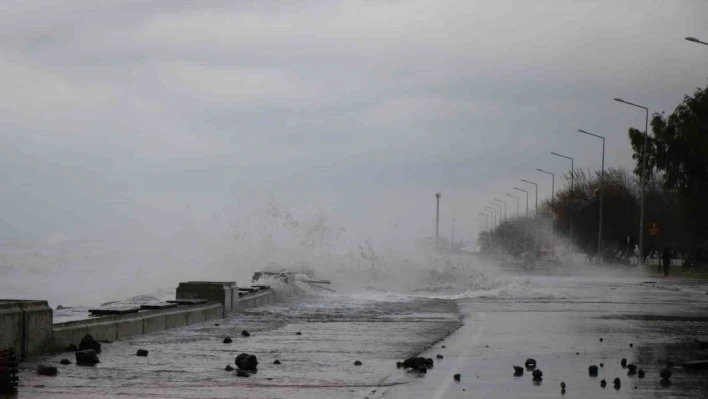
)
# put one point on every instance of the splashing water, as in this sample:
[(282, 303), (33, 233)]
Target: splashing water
[(152, 258)]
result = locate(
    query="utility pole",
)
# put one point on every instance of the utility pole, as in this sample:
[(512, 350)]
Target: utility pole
[(437, 218)]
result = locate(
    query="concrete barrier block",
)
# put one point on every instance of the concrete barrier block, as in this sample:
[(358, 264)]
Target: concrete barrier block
[(175, 319), (130, 327), (196, 316), (154, 323), (213, 291), (11, 325), (38, 318)]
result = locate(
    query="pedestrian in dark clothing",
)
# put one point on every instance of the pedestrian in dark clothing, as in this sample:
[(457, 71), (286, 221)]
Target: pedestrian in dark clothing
[(666, 258)]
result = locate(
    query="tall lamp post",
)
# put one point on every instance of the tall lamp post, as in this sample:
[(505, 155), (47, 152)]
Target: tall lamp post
[(536, 187), (570, 213), (644, 176), (495, 220), (553, 203), (484, 221), (517, 203), (452, 236), (527, 200), (503, 203), (602, 194), (437, 218), (693, 39)]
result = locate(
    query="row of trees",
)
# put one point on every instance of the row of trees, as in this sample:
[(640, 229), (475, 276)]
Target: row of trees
[(675, 192)]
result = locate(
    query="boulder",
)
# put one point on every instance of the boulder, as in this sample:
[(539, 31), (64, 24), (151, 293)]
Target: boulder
[(439, 356), (537, 374), (423, 370), (456, 377), (617, 382), (65, 361), (241, 373), (601, 340), (563, 385), (46, 370), (276, 361), (631, 345), (228, 368), (665, 374), (414, 363), (623, 363), (298, 333), (399, 365), (228, 340), (592, 370), (632, 369), (530, 363), (142, 353), (87, 357), (640, 373), (357, 363), (602, 364), (518, 371), (245, 333), (603, 383), (429, 362), (87, 342), (72, 348), (244, 361)]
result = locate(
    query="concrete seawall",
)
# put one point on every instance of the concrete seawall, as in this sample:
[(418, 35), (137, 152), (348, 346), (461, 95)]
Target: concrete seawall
[(27, 326), (127, 325)]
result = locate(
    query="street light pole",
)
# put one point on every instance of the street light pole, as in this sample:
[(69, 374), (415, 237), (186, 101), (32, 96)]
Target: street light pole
[(527, 200), (504, 203), (452, 236), (536, 187), (602, 194), (644, 174), (437, 218), (495, 220), (693, 39), (517, 203), (570, 208), (553, 203)]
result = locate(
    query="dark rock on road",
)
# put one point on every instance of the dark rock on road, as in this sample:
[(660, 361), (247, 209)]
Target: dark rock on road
[(244, 361), (414, 363), (439, 356), (72, 348), (65, 361), (87, 342), (228, 340), (623, 363), (245, 333), (87, 357), (592, 370), (518, 371), (357, 363), (603, 383), (530, 363), (665, 374), (142, 353), (537, 374), (228, 368), (640, 373), (457, 377), (242, 373)]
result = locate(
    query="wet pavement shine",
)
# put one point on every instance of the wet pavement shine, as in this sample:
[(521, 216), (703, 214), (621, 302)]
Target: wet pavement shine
[(598, 318)]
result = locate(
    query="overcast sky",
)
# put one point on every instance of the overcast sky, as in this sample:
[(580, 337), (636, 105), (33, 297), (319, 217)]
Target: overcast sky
[(119, 112)]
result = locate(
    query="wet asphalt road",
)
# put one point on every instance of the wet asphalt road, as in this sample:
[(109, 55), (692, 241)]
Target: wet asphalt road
[(561, 331)]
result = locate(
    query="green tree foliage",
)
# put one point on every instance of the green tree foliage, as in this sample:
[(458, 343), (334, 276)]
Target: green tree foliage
[(677, 153)]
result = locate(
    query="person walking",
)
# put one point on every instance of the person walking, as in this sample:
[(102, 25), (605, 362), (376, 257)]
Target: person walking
[(666, 259)]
